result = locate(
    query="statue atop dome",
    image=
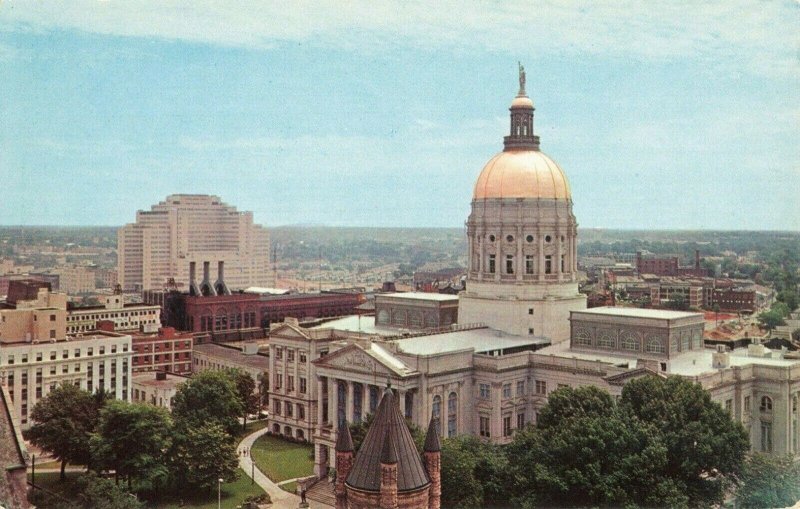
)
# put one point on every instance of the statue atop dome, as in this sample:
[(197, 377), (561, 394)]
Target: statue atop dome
[(521, 79)]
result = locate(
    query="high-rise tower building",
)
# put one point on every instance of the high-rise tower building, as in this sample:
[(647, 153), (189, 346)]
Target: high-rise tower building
[(522, 237), (188, 228)]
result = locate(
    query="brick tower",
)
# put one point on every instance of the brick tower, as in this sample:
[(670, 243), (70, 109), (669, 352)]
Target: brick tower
[(344, 462)]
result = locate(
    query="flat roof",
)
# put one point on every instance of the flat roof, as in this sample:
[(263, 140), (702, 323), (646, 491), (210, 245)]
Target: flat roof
[(149, 379), (480, 340), (661, 314), (441, 297), (234, 355), (358, 323), (692, 363)]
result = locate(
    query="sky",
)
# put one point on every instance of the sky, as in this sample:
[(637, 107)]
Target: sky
[(664, 115)]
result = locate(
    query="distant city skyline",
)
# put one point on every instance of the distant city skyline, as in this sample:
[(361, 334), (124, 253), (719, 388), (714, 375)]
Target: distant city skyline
[(662, 116)]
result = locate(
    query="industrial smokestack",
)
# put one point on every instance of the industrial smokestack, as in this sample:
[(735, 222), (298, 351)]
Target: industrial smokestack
[(220, 286), (193, 288), (206, 287)]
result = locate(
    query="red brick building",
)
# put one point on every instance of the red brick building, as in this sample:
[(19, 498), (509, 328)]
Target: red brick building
[(167, 350), (668, 266)]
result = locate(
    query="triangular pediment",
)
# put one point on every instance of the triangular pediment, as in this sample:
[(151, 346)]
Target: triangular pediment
[(289, 331), (623, 378), (356, 358)]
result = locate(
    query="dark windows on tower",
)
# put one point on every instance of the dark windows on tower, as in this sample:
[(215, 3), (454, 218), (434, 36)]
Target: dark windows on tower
[(528, 264), (548, 264), (509, 264), (491, 264)]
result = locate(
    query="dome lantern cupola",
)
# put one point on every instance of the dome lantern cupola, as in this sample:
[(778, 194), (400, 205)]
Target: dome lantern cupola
[(521, 135)]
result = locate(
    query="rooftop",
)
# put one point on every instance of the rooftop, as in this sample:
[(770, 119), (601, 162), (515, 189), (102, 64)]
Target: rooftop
[(482, 340), (440, 297), (358, 323), (661, 314), (256, 361), (172, 381)]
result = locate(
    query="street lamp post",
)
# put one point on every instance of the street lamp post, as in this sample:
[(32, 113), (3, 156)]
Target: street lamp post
[(219, 493)]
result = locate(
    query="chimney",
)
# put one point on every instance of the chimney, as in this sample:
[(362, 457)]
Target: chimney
[(193, 288), (205, 286), (220, 286)]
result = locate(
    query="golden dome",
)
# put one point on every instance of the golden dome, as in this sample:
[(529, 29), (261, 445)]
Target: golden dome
[(522, 174), (522, 101)]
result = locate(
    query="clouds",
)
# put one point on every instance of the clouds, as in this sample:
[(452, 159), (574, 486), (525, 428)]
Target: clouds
[(738, 34)]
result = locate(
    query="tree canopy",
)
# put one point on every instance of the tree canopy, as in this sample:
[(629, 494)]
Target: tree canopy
[(769, 481), (202, 455), (208, 397), (63, 422)]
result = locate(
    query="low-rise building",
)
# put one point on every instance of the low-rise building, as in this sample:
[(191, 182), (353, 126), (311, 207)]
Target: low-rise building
[(167, 350), (157, 389), (211, 356), (416, 310), (126, 317)]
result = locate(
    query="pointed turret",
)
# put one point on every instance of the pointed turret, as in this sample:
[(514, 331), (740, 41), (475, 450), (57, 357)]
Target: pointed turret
[(433, 463), (344, 463), (432, 443), (344, 440)]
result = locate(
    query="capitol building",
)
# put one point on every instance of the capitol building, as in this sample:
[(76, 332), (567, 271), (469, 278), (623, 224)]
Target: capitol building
[(522, 331)]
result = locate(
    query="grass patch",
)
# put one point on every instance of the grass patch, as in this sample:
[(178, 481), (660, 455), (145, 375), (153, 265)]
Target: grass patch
[(233, 494), (250, 428), (291, 487), (281, 460)]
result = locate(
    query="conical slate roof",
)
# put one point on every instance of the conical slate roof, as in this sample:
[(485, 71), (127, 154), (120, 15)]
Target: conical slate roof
[(432, 443), (344, 441), (388, 441)]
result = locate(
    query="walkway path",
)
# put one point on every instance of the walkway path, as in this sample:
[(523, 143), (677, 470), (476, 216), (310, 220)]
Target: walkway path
[(280, 499)]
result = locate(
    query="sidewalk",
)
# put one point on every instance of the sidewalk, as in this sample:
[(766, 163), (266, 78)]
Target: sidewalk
[(280, 498)]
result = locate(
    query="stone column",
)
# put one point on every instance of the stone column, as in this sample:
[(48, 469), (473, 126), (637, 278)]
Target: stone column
[(349, 406), (401, 401), (520, 265), (364, 400), (320, 396), (482, 252), (333, 402), (496, 422), (540, 267), (558, 254)]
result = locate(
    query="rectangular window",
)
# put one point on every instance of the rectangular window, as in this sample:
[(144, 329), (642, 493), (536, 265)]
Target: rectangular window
[(65, 354), (24, 358), (303, 385), (521, 388), (302, 357), (11, 359), (562, 263), (53, 355), (491, 264), (277, 407), (506, 390), (38, 356), (766, 436), (278, 381), (52, 334), (528, 264), (289, 383), (541, 387), (289, 407), (485, 391), (548, 264), (729, 406), (506, 425), (301, 412), (747, 403), (484, 426), (520, 420), (52, 318), (509, 264), (290, 355), (278, 352), (77, 353)]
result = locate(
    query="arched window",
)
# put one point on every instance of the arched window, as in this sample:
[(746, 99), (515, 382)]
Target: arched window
[(221, 320), (583, 337), (383, 317), (415, 319), (436, 409), (655, 344), (452, 414), (606, 339), (399, 318), (766, 404), (629, 341), (430, 320)]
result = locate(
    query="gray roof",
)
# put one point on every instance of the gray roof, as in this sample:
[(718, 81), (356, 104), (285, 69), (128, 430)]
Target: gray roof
[(388, 441), (662, 314)]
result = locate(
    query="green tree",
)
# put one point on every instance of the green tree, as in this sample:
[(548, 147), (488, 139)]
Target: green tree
[(770, 319), (202, 455), (769, 481), (461, 486), (132, 439), (63, 423), (571, 403), (208, 397), (678, 302), (98, 493), (245, 389), (705, 448), (790, 298)]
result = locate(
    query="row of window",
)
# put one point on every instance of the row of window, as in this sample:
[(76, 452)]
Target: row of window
[(287, 409), (528, 238), (39, 356), (485, 390), (485, 429), (290, 354), (491, 266), (302, 387)]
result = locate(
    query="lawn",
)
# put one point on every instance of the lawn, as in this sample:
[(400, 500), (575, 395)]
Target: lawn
[(281, 460), (250, 428), (233, 494)]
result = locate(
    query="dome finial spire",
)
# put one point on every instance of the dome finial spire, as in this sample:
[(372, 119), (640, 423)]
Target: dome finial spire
[(521, 92)]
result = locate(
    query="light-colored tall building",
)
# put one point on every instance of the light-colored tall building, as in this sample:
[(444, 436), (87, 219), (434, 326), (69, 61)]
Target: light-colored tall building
[(196, 228)]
